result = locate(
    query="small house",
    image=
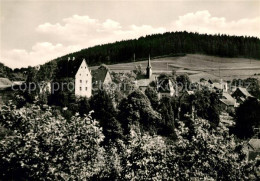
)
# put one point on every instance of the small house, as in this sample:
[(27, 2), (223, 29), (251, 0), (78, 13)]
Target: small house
[(241, 94)]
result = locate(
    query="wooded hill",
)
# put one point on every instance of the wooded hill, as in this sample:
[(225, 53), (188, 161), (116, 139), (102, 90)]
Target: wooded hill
[(167, 44)]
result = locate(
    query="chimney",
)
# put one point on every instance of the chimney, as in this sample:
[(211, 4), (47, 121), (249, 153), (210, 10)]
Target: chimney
[(73, 58), (68, 58)]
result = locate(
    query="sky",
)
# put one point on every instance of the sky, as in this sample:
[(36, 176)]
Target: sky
[(36, 31)]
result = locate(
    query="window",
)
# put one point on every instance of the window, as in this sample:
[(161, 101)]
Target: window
[(80, 88), (86, 88), (85, 67), (80, 81), (79, 74), (86, 81)]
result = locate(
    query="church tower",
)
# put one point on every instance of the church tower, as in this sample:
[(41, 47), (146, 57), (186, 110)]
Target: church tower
[(149, 69)]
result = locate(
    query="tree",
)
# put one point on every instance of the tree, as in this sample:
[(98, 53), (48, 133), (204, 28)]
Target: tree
[(200, 153), (83, 106), (30, 85), (207, 106), (253, 87), (47, 147), (152, 96), (183, 81), (105, 113), (145, 158), (167, 123), (247, 118), (137, 109)]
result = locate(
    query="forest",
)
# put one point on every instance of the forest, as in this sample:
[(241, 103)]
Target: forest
[(157, 45)]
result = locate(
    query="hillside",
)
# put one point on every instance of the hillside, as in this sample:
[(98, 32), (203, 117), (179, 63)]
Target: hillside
[(198, 66), (159, 45)]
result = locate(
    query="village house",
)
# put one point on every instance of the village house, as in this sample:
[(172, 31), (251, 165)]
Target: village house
[(83, 81), (87, 81), (100, 77), (241, 94), (218, 86), (165, 88), (227, 101), (252, 149)]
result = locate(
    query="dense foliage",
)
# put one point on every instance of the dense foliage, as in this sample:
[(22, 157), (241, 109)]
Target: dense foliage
[(247, 118), (42, 145)]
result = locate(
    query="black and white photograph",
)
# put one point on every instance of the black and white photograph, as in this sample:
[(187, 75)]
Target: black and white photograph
[(138, 90)]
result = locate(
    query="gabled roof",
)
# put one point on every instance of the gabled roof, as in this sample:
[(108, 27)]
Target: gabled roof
[(5, 82), (227, 102), (99, 74), (228, 97), (244, 91)]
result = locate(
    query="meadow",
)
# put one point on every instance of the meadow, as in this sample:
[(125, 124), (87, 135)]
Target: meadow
[(198, 66)]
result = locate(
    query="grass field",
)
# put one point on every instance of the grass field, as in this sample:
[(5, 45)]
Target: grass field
[(199, 66)]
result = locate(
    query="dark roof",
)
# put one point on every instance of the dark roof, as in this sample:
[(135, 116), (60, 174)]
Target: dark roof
[(99, 74), (68, 68), (244, 91)]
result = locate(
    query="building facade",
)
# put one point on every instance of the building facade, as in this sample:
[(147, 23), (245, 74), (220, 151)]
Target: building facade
[(83, 81)]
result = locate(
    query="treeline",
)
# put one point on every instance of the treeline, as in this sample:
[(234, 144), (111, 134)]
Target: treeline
[(171, 43), (157, 45), (16, 74)]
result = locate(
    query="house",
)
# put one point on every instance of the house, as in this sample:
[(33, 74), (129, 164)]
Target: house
[(218, 86), (87, 81), (227, 101), (101, 77), (165, 88), (241, 94), (83, 81), (142, 84), (252, 149)]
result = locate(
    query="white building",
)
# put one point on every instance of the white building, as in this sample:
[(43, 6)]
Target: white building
[(83, 81)]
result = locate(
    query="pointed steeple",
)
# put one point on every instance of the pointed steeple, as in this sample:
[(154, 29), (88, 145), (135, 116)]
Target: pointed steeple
[(149, 62), (149, 69)]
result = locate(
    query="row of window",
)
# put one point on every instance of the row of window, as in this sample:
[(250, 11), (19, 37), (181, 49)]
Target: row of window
[(80, 81), (80, 88), (80, 74)]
